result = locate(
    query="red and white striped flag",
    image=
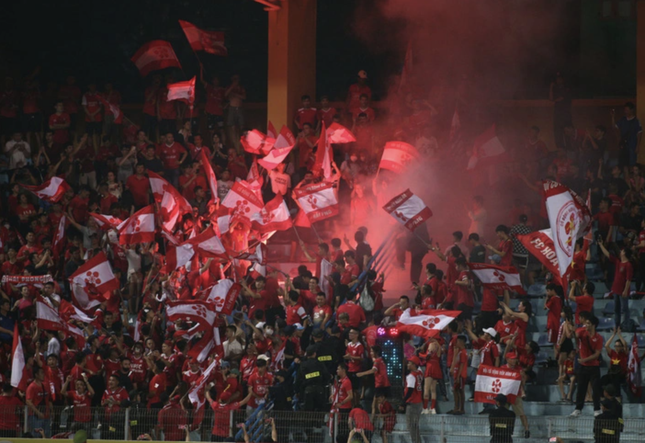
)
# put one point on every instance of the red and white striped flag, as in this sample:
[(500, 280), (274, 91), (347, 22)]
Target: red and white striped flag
[(339, 134), (408, 209), (274, 216), (498, 277), (208, 244), (18, 377), (487, 149), (427, 323), (324, 155), (255, 142), (139, 227), (155, 55), (178, 256), (319, 201), (569, 218), (207, 41), (184, 91), (634, 369), (492, 381), (397, 156), (48, 319), (210, 176), (224, 295), (51, 191), (106, 221)]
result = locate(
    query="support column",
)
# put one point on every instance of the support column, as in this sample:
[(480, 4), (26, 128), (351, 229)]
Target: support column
[(640, 70), (292, 59)]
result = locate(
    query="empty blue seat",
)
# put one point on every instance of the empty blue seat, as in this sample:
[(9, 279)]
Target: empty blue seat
[(609, 308), (606, 324), (543, 340), (541, 358)]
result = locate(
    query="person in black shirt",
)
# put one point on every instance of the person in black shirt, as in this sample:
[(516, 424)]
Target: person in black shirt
[(502, 421), (478, 251), (151, 161), (607, 426)]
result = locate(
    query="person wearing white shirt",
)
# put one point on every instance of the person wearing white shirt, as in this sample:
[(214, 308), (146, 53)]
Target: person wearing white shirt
[(53, 345), (18, 151)]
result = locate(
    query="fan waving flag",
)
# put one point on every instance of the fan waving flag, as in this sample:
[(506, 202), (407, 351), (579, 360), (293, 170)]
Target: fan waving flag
[(273, 217), (255, 142), (427, 323), (224, 295), (569, 218), (241, 202), (408, 209), (634, 369), (211, 42), (486, 149), (397, 156), (18, 377), (318, 200), (178, 256), (492, 381), (155, 55), (51, 191), (196, 311), (139, 227), (498, 277), (184, 91), (339, 134)]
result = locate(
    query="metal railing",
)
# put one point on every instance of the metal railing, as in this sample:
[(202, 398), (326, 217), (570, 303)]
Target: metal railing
[(176, 424)]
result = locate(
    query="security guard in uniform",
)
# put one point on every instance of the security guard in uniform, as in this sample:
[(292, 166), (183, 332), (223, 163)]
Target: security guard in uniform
[(326, 351), (311, 381), (607, 426), (502, 421)]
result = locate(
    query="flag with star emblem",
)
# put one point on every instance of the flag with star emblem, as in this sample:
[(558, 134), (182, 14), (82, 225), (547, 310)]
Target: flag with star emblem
[(155, 55), (498, 277), (397, 156)]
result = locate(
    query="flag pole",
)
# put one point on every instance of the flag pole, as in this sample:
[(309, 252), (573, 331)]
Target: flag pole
[(296, 231), (316, 232)]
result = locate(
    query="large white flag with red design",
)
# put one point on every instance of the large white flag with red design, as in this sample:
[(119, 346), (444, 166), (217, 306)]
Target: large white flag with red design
[(492, 381), (196, 393), (569, 218), (173, 206), (487, 149), (319, 201), (68, 311), (51, 191), (240, 202), (275, 157), (139, 227), (49, 319), (155, 55), (199, 312), (95, 276), (208, 244), (178, 256), (408, 209), (427, 323), (498, 277), (634, 369), (397, 156), (255, 142), (339, 134), (224, 295), (18, 377), (160, 186), (274, 216), (59, 237), (324, 155), (106, 221)]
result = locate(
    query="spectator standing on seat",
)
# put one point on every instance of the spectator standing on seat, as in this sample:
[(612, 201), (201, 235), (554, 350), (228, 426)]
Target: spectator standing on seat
[(623, 276)]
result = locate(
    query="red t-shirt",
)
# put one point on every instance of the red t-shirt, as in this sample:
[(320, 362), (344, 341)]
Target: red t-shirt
[(258, 303), (578, 266), (361, 419), (380, 376), (504, 329), (616, 359), (554, 306), (462, 359), (624, 272), (355, 92), (355, 312), (367, 111), (189, 191), (506, 246), (464, 295), (584, 303), (167, 109), (588, 345), (71, 95), (170, 155), (138, 369), (489, 352), (172, 420), (326, 116), (214, 100), (306, 115), (342, 389), (92, 103), (139, 187), (82, 404), (10, 413), (354, 350), (489, 300), (118, 395), (222, 418), (320, 312), (156, 385), (30, 101), (414, 381), (79, 206), (605, 221), (150, 101), (39, 395), (350, 274), (260, 385), (295, 314)]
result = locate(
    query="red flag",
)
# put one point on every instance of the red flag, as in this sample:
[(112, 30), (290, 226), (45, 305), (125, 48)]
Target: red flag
[(254, 174), (487, 149), (492, 381), (59, 237), (274, 216), (285, 138), (301, 220), (155, 55), (114, 109), (139, 227), (255, 142), (178, 256), (224, 295), (207, 41), (210, 176), (426, 323), (18, 377), (184, 91), (318, 200), (408, 209), (397, 156), (498, 277), (51, 191), (634, 369), (271, 131), (339, 134), (324, 155), (196, 393), (208, 244), (540, 245), (160, 186)]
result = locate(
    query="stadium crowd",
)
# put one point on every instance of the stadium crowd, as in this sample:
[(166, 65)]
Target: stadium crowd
[(306, 342)]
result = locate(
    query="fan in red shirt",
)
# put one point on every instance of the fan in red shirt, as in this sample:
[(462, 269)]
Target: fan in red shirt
[(37, 395), (433, 375), (59, 123), (10, 407), (222, 415), (78, 207), (553, 304), (306, 142), (322, 311), (173, 419), (459, 370), (113, 397), (190, 179), (505, 247), (172, 154), (306, 114), (352, 270), (397, 309), (342, 394), (590, 345), (81, 398), (214, 104), (623, 276), (359, 420), (364, 108), (260, 382), (463, 288), (326, 113), (356, 90), (355, 312), (580, 257), (606, 220), (139, 185), (354, 354), (295, 313), (584, 302)]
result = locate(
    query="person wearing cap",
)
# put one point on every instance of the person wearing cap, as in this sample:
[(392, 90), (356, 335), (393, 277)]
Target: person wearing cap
[(518, 407), (311, 380), (413, 398), (607, 425), (502, 421), (356, 90)]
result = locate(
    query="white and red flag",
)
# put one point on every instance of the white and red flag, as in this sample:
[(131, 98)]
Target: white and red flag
[(183, 91), (51, 191), (492, 381), (275, 157), (59, 236), (113, 108), (223, 295), (319, 201), (211, 42), (68, 311), (18, 377), (199, 312), (49, 319), (158, 185), (569, 218), (254, 175), (196, 393), (540, 245), (426, 323), (634, 369), (274, 216), (208, 244), (106, 221), (285, 138), (255, 142), (301, 220), (498, 277), (324, 155), (139, 227), (455, 125), (258, 255), (487, 149), (178, 256), (408, 209), (240, 202), (95, 275), (210, 176), (155, 55), (339, 134), (170, 209), (397, 156), (271, 131)]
